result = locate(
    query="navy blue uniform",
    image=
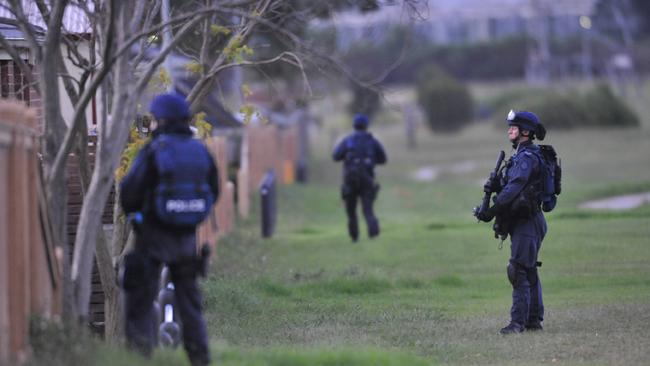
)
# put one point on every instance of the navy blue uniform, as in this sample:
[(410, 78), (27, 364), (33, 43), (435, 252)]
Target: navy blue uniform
[(156, 244), (526, 233), (366, 188)]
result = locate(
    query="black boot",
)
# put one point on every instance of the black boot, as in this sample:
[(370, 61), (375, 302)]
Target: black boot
[(512, 328), (533, 326)]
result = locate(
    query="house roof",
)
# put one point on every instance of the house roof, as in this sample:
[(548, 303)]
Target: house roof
[(11, 33), (75, 19)]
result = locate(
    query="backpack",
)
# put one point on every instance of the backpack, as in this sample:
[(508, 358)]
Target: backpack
[(551, 177), (183, 197), (359, 160)]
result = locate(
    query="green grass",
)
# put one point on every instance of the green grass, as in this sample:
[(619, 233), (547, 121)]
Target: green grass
[(432, 289)]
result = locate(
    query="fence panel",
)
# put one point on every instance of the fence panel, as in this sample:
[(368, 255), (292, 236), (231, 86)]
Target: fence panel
[(28, 269)]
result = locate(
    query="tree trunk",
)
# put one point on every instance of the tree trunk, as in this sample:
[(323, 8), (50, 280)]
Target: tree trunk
[(110, 143)]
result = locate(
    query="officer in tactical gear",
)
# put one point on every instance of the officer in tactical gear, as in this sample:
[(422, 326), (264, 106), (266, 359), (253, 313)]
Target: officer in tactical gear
[(360, 152), (518, 214), (175, 159)]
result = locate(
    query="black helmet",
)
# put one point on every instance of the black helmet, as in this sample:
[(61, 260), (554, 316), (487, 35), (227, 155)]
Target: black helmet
[(170, 106), (527, 121), (360, 121)]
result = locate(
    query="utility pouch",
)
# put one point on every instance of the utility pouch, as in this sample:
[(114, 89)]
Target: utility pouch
[(525, 205)]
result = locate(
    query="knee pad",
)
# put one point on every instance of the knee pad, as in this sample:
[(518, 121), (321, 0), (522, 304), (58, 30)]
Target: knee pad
[(532, 275)]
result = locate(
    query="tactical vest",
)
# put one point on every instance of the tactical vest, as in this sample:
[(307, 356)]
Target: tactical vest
[(182, 198), (527, 203), (359, 160)]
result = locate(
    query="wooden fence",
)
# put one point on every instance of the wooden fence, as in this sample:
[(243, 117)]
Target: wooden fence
[(29, 270), (222, 219), (263, 148), (269, 147)]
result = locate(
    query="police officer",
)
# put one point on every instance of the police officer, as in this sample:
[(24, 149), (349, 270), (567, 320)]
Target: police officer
[(158, 242), (517, 208), (360, 152)]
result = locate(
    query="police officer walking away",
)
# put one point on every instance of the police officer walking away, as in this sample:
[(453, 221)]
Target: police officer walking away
[(516, 206), (360, 151), (170, 188)]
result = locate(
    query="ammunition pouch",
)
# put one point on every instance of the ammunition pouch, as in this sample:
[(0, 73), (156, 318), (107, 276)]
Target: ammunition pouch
[(526, 204)]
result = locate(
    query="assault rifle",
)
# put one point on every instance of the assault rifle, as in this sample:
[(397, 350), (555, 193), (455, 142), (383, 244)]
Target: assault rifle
[(493, 175)]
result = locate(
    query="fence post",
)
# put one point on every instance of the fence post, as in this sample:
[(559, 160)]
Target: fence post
[(268, 203)]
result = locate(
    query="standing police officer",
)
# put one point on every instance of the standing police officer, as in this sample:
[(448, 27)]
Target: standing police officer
[(360, 151), (170, 163), (517, 208)]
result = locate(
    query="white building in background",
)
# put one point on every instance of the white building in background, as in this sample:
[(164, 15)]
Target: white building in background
[(462, 21), (76, 27)]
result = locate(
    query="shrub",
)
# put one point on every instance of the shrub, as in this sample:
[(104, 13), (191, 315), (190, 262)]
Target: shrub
[(604, 108), (446, 102), (597, 107)]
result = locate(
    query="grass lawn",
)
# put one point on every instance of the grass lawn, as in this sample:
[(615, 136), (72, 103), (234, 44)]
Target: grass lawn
[(433, 286), (432, 289)]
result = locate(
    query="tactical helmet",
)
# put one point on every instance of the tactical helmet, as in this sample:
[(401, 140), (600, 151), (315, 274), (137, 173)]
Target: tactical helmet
[(360, 121), (172, 107), (527, 121)]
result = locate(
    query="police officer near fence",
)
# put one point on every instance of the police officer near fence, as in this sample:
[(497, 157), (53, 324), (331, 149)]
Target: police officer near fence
[(360, 152), (518, 214), (169, 189)]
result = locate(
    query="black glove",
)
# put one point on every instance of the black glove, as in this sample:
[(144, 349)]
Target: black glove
[(491, 185), (486, 215)]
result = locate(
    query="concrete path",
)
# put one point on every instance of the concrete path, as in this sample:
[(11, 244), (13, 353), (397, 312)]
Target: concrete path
[(625, 202), (431, 173)]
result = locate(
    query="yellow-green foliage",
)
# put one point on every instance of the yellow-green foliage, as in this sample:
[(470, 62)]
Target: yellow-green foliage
[(246, 90), (128, 155), (164, 77), (235, 50), (216, 30), (194, 67), (203, 126), (247, 110)]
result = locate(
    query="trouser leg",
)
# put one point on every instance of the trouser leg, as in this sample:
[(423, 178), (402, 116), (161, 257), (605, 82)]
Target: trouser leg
[(367, 201), (140, 282), (536, 310), (188, 303), (351, 211), (520, 296)]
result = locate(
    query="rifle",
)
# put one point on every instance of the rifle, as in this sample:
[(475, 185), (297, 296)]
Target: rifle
[(493, 175)]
